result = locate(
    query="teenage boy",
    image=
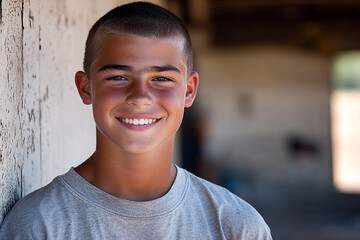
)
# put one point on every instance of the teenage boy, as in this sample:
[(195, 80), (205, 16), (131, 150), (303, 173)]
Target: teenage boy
[(138, 77)]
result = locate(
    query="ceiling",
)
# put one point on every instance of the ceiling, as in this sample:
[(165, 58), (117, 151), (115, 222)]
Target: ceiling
[(325, 25)]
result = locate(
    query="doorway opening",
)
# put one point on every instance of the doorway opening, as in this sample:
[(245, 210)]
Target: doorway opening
[(345, 118)]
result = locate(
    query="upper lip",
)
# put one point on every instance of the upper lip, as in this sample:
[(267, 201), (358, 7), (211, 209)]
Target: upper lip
[(138, 116)]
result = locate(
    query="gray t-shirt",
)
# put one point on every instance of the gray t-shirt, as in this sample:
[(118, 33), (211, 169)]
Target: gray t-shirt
[(72, 208)]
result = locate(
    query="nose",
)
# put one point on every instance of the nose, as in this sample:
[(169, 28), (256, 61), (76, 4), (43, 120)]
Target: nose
[(138, 95)]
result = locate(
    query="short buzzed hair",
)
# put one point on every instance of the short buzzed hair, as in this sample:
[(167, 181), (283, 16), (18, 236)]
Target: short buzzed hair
[(138, 18)]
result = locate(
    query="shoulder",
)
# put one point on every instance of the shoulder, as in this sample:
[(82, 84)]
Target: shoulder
[(237, 217), (28, 216), (218, 195)]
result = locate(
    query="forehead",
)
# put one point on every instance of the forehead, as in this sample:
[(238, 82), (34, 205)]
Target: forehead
[(139, 51)]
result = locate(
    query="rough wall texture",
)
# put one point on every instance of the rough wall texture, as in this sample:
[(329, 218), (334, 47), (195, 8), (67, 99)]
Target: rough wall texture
[(11, 103), (44, 127)]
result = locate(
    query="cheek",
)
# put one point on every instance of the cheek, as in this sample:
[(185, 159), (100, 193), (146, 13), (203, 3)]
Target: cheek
[(172, 94), (173, 102), (174, 97), (107, 97), (104, 102)]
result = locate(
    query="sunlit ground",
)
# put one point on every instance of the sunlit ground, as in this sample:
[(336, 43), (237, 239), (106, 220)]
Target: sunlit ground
[(345, 116)]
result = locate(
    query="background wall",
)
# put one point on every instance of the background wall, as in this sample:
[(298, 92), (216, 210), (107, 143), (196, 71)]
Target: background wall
[(267, 122), (262, 119), (44, 127)]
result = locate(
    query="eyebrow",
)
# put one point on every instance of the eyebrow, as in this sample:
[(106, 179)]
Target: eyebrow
[(127, 68), (115, 67), (164, 68)]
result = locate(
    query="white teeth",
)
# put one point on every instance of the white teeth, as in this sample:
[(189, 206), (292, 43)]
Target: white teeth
[(142, 121)]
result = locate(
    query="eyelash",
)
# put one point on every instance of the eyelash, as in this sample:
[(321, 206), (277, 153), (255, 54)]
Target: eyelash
[(117, 78), (162, 79), (122, 78)]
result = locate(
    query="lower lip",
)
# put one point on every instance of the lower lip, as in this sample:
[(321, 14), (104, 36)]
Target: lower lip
[(138, 127)]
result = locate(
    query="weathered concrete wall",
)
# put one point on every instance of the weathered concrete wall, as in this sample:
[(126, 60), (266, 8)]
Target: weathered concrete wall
[(44, 127), (11, 103)]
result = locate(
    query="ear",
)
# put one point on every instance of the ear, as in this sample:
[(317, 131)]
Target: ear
[(83, 86), (191, 88)]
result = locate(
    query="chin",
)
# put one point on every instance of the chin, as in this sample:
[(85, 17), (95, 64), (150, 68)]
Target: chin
[(138, 148), (143, 147)]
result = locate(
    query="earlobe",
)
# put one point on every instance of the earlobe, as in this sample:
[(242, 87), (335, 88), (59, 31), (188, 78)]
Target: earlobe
[(191, 89), (83, 86)]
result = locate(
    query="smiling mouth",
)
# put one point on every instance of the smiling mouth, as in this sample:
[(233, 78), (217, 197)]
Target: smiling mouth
[(137, 122)]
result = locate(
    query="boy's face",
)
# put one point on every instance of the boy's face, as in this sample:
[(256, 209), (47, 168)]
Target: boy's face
[(139, 88)]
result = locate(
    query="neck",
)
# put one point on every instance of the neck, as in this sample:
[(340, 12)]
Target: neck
[(136, 177)]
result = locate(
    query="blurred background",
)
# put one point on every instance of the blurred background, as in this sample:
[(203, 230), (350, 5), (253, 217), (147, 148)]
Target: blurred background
[(276, 119), (277, 116)]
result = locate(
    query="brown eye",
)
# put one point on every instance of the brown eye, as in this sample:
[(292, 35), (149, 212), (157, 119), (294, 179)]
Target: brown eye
[(162, 79), (117, 78)]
